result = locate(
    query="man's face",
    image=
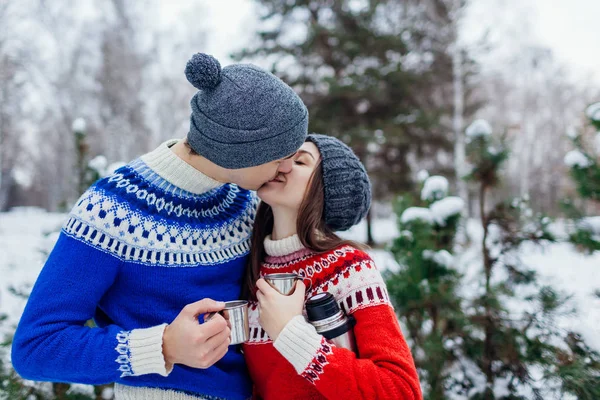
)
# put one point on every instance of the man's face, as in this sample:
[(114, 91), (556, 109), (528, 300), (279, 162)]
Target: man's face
[(253, 178)]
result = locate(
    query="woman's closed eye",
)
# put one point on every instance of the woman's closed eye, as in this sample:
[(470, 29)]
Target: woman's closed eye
[(301, 160), (304, 157)]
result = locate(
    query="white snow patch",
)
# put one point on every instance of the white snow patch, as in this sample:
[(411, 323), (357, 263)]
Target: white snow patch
[(108, 393), (443, 209), (479, 127), (492, 150), (435, 187), (384, 260), (88, 390), (422, 175), (416, 213), (99, 164), (24, 238), (576, 158), (592, 225), (441, 257), (79, 125), (572, 132), (384, 231), (23, 177), (593, 112)]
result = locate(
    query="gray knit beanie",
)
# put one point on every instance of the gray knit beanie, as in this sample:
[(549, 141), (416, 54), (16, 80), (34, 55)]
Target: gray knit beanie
[(243, 116), (347, 185)]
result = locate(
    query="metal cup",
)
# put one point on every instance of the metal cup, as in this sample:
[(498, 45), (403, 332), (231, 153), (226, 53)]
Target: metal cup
[(283, 283), (236, 313)]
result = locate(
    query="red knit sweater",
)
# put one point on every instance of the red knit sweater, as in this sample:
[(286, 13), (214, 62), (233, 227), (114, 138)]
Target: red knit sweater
[(302, 364)]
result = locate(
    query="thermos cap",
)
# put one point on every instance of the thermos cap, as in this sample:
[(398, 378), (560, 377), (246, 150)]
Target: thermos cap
[(321, 306)]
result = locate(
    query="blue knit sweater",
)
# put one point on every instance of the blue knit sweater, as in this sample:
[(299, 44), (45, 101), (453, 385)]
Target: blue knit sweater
[(138, 246)]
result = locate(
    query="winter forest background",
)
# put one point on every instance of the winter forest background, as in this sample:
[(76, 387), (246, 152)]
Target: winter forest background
[(482, 144)]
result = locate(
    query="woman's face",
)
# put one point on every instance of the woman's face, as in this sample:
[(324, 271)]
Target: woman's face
[(287, 189)]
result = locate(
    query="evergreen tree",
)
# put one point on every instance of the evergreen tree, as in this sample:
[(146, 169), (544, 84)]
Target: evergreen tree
[(496, 337), (510, 345), (376, 74), (584, 166), (425, 290)]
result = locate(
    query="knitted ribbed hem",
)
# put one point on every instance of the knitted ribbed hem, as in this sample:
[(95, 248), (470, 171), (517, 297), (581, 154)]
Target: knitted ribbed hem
[(173, 169), (146, 353), (283, 247), (298, 342), (123, 392)]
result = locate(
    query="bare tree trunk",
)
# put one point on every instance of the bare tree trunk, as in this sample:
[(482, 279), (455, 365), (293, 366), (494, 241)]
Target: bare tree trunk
[(458, 124), (459, 107), (488, 348), (370, 240)]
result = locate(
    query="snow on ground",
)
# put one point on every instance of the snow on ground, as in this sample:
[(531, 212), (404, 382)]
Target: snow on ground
[(576, 274), (22, 242), (558, 265)]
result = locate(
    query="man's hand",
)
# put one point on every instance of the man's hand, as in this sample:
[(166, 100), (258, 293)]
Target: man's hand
[(186, 341)]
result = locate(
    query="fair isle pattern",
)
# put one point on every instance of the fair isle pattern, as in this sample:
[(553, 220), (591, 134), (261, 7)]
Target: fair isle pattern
[(124, 358), (138, 216), (318, 363), (257, 334), (318, 262), (117, 260), (349, 274)]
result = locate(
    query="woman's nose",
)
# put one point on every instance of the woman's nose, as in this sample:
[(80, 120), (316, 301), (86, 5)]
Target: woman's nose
[(285, 167)]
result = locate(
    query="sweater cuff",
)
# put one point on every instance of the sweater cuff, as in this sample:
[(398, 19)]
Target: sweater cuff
[(146, 353), (298, 342)]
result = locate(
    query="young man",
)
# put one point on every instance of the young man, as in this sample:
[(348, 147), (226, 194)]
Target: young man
[(142, 247)]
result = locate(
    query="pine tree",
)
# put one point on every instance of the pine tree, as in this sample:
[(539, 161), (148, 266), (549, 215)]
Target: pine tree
[(496, 338), (425, 291), (376, 74), (511, 345), (584, 166)]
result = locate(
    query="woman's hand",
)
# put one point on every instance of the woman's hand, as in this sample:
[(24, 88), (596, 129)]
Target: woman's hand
[(275, 309)]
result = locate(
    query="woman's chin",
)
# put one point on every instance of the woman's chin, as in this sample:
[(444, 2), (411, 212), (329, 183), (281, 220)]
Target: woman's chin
[(268, 192)]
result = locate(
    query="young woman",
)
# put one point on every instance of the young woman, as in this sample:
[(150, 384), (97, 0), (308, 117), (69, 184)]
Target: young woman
[(327, 190)]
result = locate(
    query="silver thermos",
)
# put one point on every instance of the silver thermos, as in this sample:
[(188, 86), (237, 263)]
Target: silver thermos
[(329, 320)]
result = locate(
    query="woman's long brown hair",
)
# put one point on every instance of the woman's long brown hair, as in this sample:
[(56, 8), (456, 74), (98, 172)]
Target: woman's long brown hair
[(314, 234)]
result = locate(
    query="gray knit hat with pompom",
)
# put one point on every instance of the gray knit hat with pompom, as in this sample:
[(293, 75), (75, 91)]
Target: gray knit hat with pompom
[(346, 183), (243, 116)]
